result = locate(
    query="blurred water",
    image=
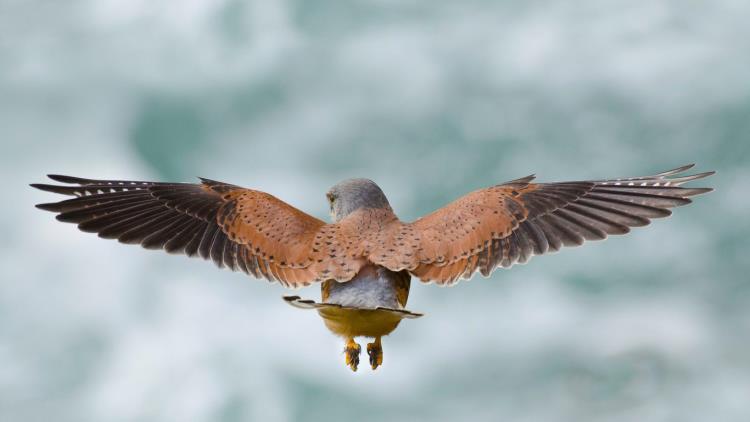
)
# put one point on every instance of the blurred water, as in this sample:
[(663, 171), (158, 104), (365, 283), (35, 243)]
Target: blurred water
[(431, 100)]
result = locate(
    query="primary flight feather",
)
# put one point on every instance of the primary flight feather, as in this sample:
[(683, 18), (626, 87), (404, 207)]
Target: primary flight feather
[(366, 256)]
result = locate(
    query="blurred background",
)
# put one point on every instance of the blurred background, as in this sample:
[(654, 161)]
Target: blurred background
[(429, 99)]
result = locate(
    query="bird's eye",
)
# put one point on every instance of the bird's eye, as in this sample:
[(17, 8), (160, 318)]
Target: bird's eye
[(330, 197)]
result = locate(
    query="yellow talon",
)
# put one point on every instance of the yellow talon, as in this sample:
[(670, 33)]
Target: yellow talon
[(375, 351), (351, 352)]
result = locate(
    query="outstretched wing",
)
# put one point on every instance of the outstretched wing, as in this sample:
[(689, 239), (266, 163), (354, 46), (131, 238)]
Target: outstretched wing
[(511, 222), (238, 228)]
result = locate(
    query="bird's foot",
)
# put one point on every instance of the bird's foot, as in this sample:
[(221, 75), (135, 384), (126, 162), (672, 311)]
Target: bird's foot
[(375, 351), (351, 352)]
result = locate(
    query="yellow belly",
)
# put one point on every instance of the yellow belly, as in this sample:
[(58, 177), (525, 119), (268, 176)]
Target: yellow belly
[(348, 322)]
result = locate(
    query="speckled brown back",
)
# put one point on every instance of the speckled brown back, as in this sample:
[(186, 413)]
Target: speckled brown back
[(257, 233)]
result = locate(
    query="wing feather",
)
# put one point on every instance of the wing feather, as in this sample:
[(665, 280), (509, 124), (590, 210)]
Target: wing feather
[(237, 228), (256, 233), (513, 221)]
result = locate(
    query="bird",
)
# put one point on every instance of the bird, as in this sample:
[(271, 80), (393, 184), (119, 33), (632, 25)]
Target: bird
[(365, 258)]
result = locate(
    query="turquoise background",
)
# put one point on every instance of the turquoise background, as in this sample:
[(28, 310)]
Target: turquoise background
[(431, 100)]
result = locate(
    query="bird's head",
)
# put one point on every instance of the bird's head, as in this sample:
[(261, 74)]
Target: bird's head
[(352, 194)]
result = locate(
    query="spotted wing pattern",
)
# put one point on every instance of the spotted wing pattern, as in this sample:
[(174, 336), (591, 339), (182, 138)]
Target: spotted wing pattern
[(253, 231), (292, 240), (195, 220), (511, 222)]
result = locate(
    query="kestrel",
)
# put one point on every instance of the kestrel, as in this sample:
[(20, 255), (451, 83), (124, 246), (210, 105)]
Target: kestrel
[(366, 257)]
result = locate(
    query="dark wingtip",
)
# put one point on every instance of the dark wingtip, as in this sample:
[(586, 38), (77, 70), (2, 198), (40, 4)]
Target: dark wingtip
[(66, 179), (50, 206), (697, 191), (45, 187), (677, 181), (677, 170), (704, 174), (63, 190)]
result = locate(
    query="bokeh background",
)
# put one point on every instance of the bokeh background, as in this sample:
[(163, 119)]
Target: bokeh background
[(431, 100)]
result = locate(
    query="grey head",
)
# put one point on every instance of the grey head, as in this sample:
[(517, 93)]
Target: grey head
[(352, 194)]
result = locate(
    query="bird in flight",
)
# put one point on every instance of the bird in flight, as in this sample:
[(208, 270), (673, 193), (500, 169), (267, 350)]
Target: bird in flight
[(364, 260)]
